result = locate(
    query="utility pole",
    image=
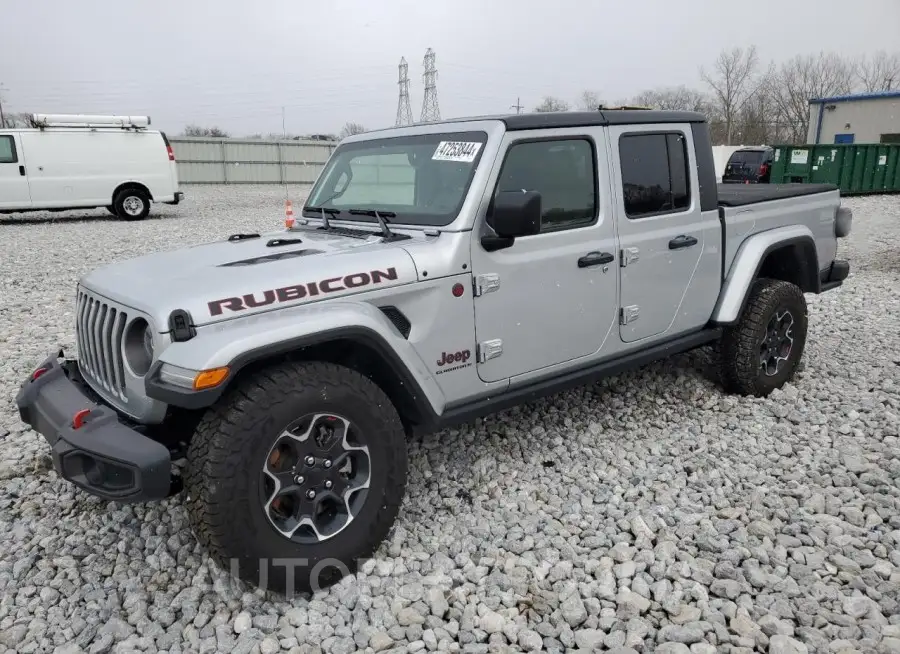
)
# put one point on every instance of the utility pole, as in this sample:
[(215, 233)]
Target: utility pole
[(2, 119), (518, 105)]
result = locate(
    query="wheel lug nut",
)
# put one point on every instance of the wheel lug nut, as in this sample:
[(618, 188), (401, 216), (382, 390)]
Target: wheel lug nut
[(328, 484), (310, 493), (310, 460), (327, 463), (299, 479)]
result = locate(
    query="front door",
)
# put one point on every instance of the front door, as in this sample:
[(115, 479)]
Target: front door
[(550, 297), (14, 192), (661, 231)]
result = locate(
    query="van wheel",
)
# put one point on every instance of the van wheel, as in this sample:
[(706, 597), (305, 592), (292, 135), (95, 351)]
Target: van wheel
[(296, 473), (131, 204), (761, 352)]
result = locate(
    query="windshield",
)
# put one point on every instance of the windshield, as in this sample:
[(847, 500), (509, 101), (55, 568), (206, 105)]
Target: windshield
[(423, 179), (747, 156)]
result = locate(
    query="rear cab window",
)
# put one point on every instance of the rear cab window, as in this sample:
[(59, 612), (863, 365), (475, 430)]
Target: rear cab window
[(655, 173), (748, 156), (8, 150)]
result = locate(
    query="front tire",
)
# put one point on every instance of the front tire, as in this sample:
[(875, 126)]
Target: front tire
[(278, 435), (131, 204), (761, 352)]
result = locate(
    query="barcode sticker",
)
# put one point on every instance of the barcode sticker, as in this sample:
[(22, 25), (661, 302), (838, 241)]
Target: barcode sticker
[(464, 151)]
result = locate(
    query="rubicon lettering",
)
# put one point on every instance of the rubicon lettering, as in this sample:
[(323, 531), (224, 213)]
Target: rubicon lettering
[(299, 291)]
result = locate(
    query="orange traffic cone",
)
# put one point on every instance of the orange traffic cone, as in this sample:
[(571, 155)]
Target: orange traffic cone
[(288, 214)]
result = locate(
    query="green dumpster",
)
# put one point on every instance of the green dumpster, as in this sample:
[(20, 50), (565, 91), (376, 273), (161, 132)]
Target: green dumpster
[(859, 168)]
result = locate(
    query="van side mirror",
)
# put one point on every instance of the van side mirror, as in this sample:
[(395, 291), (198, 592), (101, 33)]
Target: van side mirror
[(515, 213)]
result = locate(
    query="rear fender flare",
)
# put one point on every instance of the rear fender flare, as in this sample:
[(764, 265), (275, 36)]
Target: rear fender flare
[(748, 261), (240, 342)]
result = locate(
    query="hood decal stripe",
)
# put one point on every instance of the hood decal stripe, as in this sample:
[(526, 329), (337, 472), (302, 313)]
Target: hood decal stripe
[(299, 291)]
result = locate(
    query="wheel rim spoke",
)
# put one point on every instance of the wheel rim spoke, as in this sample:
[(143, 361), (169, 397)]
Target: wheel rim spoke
[(777, 342), (315, 478)]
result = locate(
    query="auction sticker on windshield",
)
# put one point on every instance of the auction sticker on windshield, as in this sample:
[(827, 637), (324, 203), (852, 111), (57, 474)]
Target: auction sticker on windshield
[(456, 151)]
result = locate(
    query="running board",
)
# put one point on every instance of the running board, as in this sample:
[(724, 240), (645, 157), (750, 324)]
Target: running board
[(455, 414)]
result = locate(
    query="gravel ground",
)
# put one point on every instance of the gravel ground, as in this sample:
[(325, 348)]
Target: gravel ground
[(649, 512)]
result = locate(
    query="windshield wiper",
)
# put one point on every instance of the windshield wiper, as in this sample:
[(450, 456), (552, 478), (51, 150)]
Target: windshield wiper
[(325, 211), (381, 217)]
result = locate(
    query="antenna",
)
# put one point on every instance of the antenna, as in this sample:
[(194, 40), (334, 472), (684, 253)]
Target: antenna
[(430, 109), (404, 112)]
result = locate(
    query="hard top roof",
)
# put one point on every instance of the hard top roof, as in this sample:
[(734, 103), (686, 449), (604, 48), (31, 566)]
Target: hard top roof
[(561, 119)]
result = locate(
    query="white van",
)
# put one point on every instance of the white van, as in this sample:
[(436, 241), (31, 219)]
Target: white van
[(82, 162)]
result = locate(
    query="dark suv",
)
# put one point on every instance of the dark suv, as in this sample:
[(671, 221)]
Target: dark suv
[(749, 166)]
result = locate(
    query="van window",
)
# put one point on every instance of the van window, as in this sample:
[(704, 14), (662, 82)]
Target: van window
[(655, 173), (8, 150)]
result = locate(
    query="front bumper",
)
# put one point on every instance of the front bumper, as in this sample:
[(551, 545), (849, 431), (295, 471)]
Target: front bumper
[(96, 452)]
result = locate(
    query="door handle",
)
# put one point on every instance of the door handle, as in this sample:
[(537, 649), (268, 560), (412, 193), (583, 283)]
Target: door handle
[(682, 242), (595, 259), (22, 171)]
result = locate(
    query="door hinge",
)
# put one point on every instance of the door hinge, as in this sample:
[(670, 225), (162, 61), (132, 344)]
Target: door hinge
[(629, 314), (629, 255), (486, 283), (489, 349)]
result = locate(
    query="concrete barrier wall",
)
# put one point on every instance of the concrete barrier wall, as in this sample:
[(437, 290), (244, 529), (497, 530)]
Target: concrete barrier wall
[(249, 161)]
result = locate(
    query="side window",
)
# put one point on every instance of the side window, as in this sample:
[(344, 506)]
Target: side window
[(8, 150), (655, 173), (562, 171)]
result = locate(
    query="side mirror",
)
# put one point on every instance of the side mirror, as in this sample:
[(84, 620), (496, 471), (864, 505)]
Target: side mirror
[(516, 213)]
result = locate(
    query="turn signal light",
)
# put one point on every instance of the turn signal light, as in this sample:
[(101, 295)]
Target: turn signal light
[(210, 378)]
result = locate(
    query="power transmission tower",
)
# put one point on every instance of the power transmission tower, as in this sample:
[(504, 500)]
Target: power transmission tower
[(518, 105), (404, 112), (430, 109)]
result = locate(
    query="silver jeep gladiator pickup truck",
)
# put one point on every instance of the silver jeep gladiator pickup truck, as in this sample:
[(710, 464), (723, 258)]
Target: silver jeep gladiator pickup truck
[(438, 272)]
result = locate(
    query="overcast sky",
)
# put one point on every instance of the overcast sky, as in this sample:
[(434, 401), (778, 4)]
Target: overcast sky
[(234, 63)]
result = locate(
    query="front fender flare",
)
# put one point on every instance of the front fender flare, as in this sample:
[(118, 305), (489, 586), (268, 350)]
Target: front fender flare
[(239, 342), (746, 265)]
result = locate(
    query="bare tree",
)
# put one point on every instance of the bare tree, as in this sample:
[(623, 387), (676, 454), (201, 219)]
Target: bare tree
[(349, 129), (549, 103), (881, 72), (677, 98), (589, 101), (196, 130), (732, 81), (804, 77), (17, 120)]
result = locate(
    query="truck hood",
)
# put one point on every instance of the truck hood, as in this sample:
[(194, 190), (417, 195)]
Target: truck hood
[(226, 279)]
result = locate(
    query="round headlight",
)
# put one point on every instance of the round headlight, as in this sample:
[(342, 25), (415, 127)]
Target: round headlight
[(148, 342), (138, 346)]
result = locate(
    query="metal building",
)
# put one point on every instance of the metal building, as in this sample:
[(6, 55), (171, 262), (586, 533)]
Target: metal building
[(863, 118)]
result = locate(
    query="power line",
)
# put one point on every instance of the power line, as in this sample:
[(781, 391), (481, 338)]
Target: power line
[(518, 106), (430, 109), (404, 111)]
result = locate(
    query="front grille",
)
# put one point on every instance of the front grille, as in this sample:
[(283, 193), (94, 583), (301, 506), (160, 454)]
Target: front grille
[(100, 330)]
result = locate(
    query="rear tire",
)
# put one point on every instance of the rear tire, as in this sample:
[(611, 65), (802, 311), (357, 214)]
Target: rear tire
[(761, 352), (248, 475), (131, 204)]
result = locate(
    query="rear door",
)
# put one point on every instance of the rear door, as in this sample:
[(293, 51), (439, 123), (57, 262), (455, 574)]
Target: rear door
[(661, 230), (14, 193)]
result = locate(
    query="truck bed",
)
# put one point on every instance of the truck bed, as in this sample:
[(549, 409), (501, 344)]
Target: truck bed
[(739, 195)]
